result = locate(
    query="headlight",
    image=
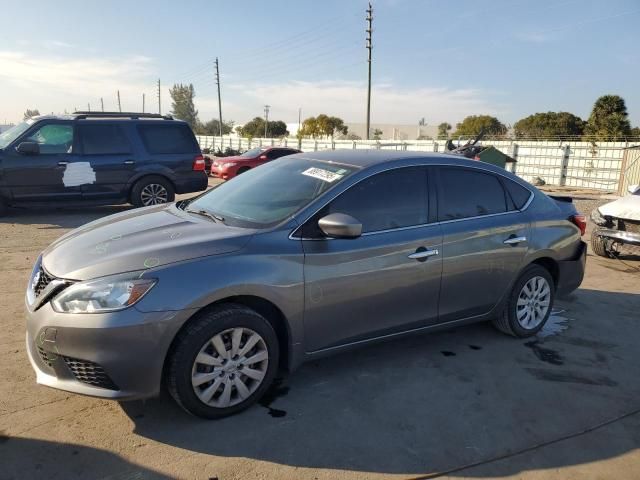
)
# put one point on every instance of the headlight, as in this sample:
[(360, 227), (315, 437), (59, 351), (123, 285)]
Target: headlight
[(597, 218), (103, 295)]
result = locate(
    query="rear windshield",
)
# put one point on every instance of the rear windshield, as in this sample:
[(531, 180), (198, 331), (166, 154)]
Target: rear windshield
[(168, 138)]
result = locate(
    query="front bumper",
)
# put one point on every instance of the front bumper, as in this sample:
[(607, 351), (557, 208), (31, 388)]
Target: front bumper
[(629, 238), (571, 272), (118, 355)]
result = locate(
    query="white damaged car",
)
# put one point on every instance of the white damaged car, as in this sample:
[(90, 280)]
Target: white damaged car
[(618, 224)]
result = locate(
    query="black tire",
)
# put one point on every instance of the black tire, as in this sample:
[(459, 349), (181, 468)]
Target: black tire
[(141, 188), (598, 245), (242, 170), (507, 322), (197, 334)]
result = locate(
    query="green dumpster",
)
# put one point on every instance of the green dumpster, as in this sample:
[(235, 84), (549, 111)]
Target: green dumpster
[(494, 156)]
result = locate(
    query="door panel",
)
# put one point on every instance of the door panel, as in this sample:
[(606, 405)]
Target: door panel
[(367, 287), (48, 175)]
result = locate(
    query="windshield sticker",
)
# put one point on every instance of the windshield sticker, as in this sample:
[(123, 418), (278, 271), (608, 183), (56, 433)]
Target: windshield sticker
[(321, 174)]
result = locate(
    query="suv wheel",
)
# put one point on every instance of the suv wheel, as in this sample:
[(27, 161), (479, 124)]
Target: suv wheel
[(153, 190), (223, 362), (529, 304)]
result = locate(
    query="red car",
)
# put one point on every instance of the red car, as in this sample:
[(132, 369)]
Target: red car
[(228, 167)]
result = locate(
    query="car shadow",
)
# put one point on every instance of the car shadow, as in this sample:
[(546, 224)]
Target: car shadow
[(27, 458), (434, 403)]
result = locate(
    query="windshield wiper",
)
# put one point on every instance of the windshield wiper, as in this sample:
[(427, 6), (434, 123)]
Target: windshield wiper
[(209, 215)]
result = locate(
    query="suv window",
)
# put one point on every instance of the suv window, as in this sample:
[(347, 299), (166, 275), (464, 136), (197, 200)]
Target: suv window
[(518, 193), (393, 199), (103, 139), (168, 138), (53, 138), (465, 193)]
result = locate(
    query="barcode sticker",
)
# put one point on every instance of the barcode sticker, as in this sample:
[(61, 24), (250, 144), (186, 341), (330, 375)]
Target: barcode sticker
[(324, 175)]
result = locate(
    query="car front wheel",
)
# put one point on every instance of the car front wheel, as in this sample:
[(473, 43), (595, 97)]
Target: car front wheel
[(529, 304), (223, 361)]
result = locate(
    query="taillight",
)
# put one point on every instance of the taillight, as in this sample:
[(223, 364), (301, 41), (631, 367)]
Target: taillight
[(579, 221), (198, 163)]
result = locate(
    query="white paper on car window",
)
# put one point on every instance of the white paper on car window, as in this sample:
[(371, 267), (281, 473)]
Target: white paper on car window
[(321, 174)]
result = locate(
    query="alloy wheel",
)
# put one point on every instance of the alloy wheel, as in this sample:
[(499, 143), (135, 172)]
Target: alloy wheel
[(230, 367), (153, 194), (533, 303)]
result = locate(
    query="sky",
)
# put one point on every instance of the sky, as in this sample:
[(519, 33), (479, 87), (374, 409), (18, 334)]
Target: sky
[(440, 60)]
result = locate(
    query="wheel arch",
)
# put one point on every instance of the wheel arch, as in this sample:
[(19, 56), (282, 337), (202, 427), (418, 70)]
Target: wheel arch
[(142, 175), (264, 307), (550, 265)]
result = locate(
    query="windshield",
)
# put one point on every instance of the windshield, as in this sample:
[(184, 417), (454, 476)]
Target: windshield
[(14, 132), (254, 152), (267, 195)]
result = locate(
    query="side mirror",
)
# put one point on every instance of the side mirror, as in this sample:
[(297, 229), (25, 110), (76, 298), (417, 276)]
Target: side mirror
[(28, 148), (340, 225), (263, 157)]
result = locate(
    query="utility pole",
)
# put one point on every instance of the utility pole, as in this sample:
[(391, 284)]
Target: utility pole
[(119, 106), (299, 119), (88, 107), (266, 120), (143, 103), (159, 99), (102, 103), (369, 30), (219, 98)]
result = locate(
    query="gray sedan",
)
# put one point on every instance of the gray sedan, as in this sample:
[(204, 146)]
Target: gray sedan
[(308, 255)]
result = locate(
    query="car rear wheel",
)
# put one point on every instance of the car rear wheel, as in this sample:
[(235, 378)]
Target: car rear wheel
[(529, 304), (598, 245), (223, 362), (152, 190)]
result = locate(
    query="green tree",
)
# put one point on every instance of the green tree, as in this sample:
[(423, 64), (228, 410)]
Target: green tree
[(474, 124), (255, 128), (309, 128), (31, 113), (212, 127), (182, 105), (323, 125), (562, 125), (443, 130), (377, 134), (635, 132), (608, 120)]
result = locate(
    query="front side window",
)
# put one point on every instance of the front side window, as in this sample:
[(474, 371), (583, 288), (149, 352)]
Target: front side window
[(14, 132), (265, 196), (53, 138), (385, 201), (103, 140), (466, 193)]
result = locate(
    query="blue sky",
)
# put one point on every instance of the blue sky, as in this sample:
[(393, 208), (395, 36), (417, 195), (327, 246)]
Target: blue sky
[(441, 60)]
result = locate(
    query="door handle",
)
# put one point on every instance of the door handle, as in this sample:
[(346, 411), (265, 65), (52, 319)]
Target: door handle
[(423, 254), (62, 163), (129, 162), (514, 240)]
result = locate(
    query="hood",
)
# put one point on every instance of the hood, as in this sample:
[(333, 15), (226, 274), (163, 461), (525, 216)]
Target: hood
[(627, 208), (139, 239)]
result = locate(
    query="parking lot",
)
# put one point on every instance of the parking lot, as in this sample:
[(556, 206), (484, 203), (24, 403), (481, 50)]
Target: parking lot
[(465, 403)]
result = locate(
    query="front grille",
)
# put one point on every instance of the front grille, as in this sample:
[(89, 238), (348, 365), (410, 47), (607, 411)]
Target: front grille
[(90, 373), (627, 226), (44, 280), (46, 357)]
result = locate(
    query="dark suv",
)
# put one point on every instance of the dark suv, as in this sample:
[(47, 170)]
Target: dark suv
[(99, 158)]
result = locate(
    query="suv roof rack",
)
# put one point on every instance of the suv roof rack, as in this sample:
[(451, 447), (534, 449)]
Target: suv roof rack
[(132, 115)]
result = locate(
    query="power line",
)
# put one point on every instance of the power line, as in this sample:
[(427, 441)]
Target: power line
[(369, 30)]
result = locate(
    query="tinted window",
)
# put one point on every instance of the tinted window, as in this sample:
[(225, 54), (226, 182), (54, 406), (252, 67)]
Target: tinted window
[(53, 138), (393, 199), (467, 193), (518, 193), (168, 138), (103, 139)]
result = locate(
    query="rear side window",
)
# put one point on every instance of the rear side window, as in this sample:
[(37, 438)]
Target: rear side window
[(468, 193), (168, 138), (103, 140), (518, 193), (387, 200)]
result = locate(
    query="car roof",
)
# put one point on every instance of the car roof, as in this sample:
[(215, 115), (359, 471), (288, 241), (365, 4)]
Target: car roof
[(118, 116), (368, 158)]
